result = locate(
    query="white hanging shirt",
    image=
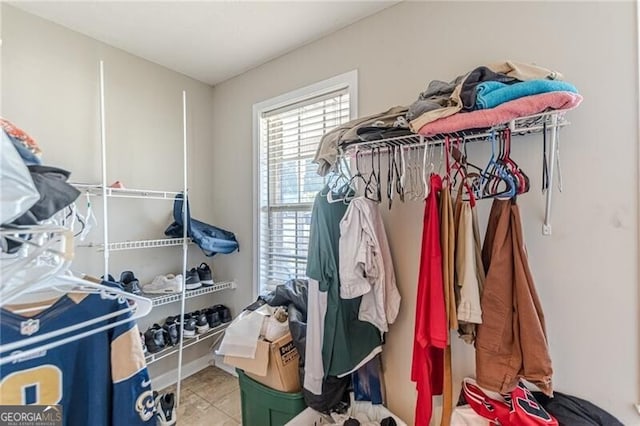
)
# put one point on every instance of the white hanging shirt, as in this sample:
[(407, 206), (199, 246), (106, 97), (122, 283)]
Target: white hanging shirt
[(469, 309), (316, 311), (366, 268)]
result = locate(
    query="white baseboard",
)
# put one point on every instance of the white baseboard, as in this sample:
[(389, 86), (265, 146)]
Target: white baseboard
[(169, 378), (218, 361)]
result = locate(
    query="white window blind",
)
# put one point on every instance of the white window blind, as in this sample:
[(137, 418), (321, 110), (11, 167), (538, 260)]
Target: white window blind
[(289, 137)]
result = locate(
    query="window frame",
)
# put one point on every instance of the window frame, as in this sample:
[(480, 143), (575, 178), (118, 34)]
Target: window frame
[(348, 81)]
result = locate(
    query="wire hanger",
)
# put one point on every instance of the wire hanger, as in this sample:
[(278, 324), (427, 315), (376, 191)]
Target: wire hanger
[(338, 193), (372, 190)]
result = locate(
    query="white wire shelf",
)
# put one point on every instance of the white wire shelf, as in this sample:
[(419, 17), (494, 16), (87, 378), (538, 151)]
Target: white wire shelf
[(96, 190), (520, 126), (163, 299), (141, 244), (172, 350)]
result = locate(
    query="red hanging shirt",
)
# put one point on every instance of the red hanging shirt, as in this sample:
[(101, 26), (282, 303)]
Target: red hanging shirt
[(430, 338)]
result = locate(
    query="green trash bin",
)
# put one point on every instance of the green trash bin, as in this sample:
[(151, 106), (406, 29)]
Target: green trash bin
[(263, 406)]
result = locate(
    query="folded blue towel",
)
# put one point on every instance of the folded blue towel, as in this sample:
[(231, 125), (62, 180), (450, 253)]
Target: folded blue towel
[(490, 94)]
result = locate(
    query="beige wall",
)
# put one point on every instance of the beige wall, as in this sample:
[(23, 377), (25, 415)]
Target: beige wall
[(586, 273), (50, 89)]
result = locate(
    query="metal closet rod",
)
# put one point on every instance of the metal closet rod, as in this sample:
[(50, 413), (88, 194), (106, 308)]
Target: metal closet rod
[(552, 121)]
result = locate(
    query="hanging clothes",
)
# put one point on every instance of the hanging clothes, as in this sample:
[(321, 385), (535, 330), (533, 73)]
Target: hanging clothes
[(348, 343), (469, 268), (316, 311), (469, 310), (98, 380), (447, 243), (366, 268), (511, 341), (430, 336)]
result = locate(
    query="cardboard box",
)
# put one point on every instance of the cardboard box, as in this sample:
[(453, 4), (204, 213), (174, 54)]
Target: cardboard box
[(275, 364)]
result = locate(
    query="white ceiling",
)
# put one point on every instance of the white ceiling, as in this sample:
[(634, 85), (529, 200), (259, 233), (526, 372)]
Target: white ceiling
[(208, 40)]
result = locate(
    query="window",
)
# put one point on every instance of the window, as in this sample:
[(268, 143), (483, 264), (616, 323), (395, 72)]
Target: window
[(287, 132)]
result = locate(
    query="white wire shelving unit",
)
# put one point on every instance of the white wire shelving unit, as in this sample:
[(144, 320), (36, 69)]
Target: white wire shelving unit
[(549, 121), (105, 192), (163, 299), (172, 350)]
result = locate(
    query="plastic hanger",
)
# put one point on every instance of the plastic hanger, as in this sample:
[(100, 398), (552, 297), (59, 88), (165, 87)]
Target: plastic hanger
[(354, 180), (497, 174), (53, 241), (373, 183)]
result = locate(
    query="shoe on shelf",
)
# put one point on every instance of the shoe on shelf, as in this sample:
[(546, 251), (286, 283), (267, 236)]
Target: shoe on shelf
[(223, 312), (144, 345), (193, 280), (164, 284), (189, 325), (173, 331), (202, 325), (213, 318), (112, 281), (165, 404), (130, 283), (155, 338), (204, 272)]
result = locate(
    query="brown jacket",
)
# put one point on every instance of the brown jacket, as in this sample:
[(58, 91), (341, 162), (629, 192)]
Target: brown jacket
[(511, 341)]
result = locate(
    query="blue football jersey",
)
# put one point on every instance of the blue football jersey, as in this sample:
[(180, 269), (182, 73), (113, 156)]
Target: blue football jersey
[(100, 380)]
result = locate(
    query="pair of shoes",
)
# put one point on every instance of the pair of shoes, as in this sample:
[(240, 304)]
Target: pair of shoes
[(159, 337), (192, 323), (111, 281), (217, 314), (156, 338), (130, 283), (165, 404), (198, 277), (195, 323), (163, 284)]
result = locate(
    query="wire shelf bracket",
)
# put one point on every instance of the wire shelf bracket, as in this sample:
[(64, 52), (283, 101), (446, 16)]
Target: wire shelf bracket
[(551, 121)]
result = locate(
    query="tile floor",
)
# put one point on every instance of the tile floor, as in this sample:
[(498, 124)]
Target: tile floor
[(210, 397)]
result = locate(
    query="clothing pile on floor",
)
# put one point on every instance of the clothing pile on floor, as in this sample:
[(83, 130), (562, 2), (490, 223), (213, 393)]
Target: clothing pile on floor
[(484, 97), (479, 407)]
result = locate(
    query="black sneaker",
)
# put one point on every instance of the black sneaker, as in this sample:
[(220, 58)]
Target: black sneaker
[(112, 281), (165, 404), (130, 283), (193, 280), (154, 338), (202, 325), (223, 312), (204, 272), (173, 331), (189, 326), (213, 318)]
